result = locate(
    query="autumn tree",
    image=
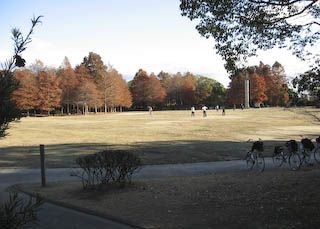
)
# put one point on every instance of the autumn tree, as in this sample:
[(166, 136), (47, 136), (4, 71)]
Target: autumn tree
[(93, 62), (82, 73), (126, 97), (118, 93), (88, 95), (188, 89), (26, 96), (276, 85), (49, 93), (8, 109), (241, 27), (267, 85), (174, 90), (115, 90), (68, 82), (257, 89), (90, 98), (155, 93), (235, 91), (146, 90)]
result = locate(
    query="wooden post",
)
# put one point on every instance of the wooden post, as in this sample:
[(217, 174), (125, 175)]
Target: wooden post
[(43, 172)]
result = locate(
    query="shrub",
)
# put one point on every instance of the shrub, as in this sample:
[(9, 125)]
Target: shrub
[(108, 166), (16, 213)]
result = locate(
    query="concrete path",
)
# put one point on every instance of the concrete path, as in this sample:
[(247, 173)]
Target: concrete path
[(52, 216)]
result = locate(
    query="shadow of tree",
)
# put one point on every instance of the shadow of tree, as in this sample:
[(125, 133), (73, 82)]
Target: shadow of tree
[(155, 152)]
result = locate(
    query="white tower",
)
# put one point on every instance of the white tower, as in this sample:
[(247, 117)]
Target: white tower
[(247, 91)]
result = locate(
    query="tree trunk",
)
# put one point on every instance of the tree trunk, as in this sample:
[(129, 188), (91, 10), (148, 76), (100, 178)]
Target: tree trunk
[(86, 108), (68, 108)]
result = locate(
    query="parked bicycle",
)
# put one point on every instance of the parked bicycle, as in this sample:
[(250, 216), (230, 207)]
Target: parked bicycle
[(307, 148), (290, 155), (316, 152), (254, 157)]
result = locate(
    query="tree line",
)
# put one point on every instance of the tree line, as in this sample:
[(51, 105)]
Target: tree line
[(90, 86), (95, 87)]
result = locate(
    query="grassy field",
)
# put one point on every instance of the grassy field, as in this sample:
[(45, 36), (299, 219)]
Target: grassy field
[(164, 137), (273, 199)]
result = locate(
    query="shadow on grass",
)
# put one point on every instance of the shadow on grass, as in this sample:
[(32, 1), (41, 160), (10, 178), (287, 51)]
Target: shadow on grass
[(156, 152)]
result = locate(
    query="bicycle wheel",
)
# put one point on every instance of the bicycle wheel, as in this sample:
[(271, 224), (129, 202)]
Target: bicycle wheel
[(307, 157), (316, 154), (260, 162), (278, 159), (294, 161), (249, 160)]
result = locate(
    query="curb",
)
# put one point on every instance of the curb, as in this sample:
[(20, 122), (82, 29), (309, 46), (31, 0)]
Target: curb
[(18, 188)]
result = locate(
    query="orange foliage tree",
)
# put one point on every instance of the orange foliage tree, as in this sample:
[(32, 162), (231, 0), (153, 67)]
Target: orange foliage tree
[(146, 90), (257, 89), (26, 96), (49, 93), (267, 85), (68, 82)]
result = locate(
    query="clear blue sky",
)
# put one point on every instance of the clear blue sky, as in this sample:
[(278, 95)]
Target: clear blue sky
[(128, 34)]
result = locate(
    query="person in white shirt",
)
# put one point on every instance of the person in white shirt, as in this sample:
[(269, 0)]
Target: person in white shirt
[(192, 111), (150, 110), (204, 110)]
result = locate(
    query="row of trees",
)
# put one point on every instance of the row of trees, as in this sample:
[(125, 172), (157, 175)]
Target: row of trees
[(92, 86), (268, 85), (175, 90)]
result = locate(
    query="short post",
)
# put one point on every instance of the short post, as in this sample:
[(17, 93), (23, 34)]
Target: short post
[(43, 172)]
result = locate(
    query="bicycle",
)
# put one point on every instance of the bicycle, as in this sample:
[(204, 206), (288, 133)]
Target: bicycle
[(291, 155), (254, 157), (307, 148), (316, 152)]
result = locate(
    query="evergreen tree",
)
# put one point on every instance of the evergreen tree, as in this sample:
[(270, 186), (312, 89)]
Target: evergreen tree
[(8, 108)]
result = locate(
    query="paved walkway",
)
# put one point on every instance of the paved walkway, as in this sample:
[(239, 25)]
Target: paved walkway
[(52, 216)]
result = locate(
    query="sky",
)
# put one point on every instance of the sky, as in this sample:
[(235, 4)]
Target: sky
[(128, 34)]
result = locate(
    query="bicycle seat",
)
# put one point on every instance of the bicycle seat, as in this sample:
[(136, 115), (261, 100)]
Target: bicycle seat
[(278, 149), (258, 145)]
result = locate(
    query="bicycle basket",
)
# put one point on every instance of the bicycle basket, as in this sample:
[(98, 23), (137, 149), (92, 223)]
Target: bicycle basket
[(292, 145), (277, 150), (307, 144), (258, 145)]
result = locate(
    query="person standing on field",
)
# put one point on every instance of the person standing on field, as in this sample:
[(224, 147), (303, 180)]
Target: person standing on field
[(150, 110), (204, 110), (192, 111)]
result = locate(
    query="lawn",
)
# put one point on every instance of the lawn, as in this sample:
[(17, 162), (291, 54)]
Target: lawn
[(273, 199), (164, 137)]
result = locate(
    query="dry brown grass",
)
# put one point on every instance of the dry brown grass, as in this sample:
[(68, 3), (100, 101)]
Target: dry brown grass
[(273, 199), (164, 137)]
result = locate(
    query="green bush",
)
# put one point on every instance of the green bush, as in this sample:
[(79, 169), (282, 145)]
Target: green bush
[(108, 166)]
